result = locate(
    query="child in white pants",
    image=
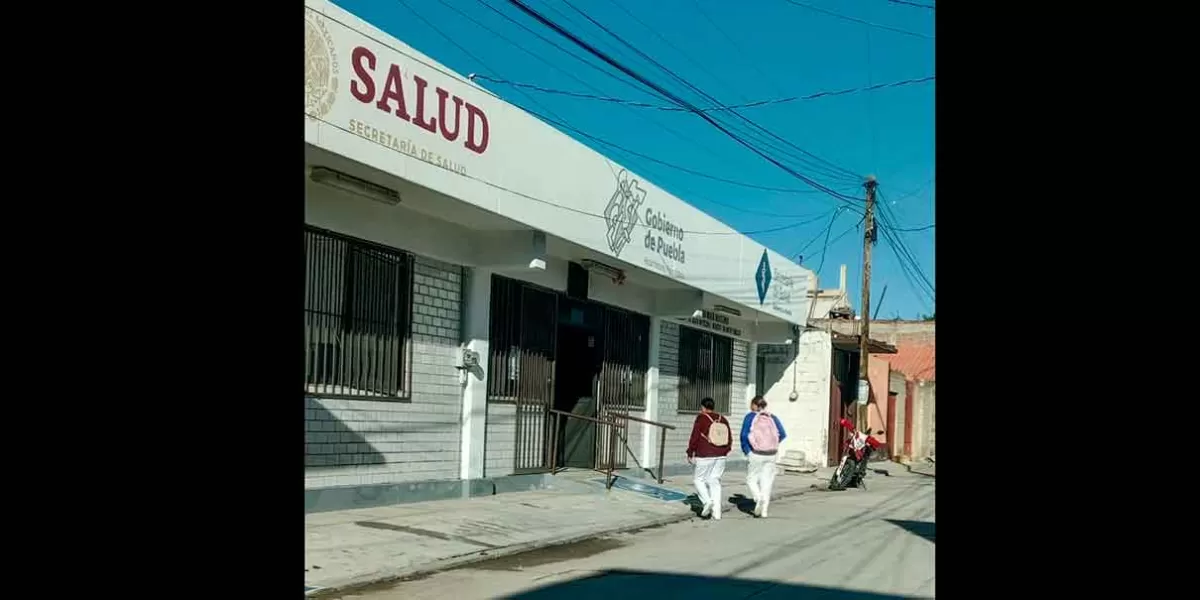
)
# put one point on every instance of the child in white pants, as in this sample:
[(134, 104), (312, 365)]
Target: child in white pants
[(708, 445), (761, 435)]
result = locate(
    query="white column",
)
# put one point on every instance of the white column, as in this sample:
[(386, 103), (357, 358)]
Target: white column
[(478, 295), (751, 372), (651, 433)]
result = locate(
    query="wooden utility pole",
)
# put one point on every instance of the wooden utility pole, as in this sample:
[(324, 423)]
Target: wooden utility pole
[(864, 331)]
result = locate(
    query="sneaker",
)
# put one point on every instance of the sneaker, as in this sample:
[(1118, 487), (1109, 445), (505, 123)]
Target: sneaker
[(758, 509), (716, 516), (706, 511)]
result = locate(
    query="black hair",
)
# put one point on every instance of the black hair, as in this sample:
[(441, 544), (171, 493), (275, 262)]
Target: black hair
[(759, 401), (708, 403)]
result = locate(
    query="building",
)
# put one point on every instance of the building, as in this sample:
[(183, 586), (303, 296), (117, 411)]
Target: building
[(471, 270), (909, 417), (811, 384), (831, 303)]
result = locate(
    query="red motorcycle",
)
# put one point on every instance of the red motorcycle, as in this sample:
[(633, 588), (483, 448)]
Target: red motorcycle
[(856, 451)]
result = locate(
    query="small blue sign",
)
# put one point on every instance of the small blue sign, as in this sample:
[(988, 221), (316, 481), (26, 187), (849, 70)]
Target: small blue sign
[(644, 489), (762, 277)]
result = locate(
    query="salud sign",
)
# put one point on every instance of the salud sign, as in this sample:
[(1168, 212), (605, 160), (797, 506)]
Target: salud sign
[(762, 277)]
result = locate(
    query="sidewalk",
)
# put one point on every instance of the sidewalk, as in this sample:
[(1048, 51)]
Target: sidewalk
[(353, 548)]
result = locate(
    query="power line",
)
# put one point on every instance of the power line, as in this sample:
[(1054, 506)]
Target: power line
[(609, 74), (727, 107), (909, 266), (559, 121), (599, 54), (737, 48), (562, 123), (821, 163), (911, 229), (826, 231), (569, 208), (906, 3), (464, 50), (858, 20), (664, 163)]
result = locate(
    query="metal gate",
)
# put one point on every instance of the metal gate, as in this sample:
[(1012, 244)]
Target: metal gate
[(621, 385), (523, 324)]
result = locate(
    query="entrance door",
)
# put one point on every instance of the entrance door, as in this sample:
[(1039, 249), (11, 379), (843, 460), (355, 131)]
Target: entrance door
[(889, 427), (908, 419), (621, 387), (843, 382), (577, 366)]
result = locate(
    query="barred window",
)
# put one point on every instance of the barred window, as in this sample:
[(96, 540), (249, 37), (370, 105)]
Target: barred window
[(357, 307), (524, 321), (705, 369)]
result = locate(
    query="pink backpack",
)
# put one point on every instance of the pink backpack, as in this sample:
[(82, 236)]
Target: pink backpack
[(764, 436)]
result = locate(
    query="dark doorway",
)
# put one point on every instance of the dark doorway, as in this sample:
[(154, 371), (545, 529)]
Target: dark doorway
[(843, 393), (577, 365)]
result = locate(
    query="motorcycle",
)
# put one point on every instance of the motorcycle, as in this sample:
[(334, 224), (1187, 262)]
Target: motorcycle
[(856, 451)]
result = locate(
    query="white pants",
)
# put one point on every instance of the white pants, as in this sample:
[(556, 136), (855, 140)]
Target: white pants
[(760, 477), (707, 478)]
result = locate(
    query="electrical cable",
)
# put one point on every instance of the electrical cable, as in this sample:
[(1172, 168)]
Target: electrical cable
[(572, 209), (585, 45), (828, 168), (727, 107), (563, 124), (906, 3), (859, 21), (736, 47)]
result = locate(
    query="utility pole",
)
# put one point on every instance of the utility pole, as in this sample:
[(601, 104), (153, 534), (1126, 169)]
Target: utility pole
[(864, 331)]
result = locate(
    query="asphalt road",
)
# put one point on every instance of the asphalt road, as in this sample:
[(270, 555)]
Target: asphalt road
[(877, 543)]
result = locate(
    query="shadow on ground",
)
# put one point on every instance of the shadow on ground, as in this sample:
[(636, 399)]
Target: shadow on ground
[(611, 584), (742, 503), (923, 529)]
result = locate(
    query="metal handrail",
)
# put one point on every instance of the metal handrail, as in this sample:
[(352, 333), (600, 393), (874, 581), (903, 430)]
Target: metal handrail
[(662, 440), (641, 420), (612, 443)]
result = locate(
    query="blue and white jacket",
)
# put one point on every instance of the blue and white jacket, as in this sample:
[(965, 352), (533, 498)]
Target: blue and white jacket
[(749, 420)]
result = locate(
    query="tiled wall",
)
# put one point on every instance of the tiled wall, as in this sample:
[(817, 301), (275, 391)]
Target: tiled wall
[(668, 395), (360, 442)]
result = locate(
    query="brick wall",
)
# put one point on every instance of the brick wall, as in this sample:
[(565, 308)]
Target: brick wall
[(668, 395), (501, 439), (361, 442)]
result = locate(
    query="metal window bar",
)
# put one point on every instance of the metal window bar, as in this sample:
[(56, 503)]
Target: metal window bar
[(504, 347), (705, 369), (356, 317)]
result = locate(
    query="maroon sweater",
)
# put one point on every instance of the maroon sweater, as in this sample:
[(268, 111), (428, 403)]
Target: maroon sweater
[(698, 444)]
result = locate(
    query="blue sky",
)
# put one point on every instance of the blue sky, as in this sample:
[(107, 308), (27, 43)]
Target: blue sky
[(736, 52)]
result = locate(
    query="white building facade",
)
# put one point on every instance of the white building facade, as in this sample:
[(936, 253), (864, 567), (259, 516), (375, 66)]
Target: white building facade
[(471, 270)]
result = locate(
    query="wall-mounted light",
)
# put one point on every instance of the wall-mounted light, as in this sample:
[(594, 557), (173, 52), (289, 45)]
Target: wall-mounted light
[(353, 185), (539, 251), (721, 308), (609, 271)]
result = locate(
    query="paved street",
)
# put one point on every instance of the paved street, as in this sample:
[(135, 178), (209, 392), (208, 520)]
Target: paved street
[(852, 544)]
